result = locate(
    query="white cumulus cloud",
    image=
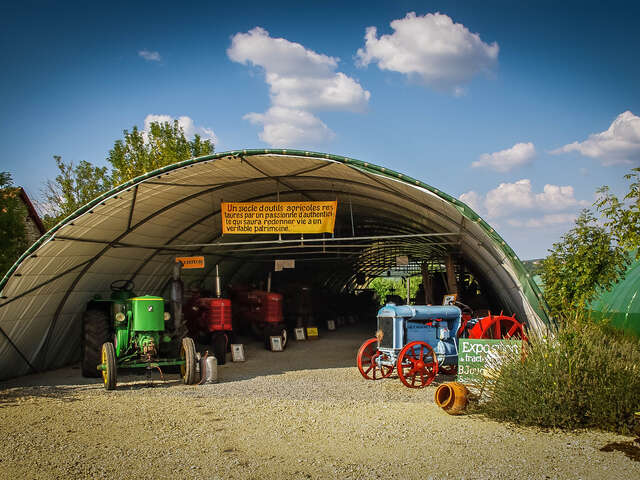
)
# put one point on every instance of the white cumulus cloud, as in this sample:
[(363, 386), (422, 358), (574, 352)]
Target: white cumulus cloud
[(150, 56), (619, 144), (519, 196), (186, 123), (473, 199), (505, 160), (284, 126), (508, 197), (301, 82), (431, 48), (557, 197), (544, 221)]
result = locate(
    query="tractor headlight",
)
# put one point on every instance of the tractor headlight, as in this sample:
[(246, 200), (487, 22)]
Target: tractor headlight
[(119, 317), (167, 316)]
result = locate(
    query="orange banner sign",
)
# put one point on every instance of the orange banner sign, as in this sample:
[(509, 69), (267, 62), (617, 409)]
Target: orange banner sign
[(278, 217), (191, 262)]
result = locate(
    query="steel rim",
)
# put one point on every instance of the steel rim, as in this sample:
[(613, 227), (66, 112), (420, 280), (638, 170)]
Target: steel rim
[(501, 327), (417, 365), (368, 365), (105, 366)]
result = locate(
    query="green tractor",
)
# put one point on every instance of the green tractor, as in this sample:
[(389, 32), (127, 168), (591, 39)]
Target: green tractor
[(127, 331)]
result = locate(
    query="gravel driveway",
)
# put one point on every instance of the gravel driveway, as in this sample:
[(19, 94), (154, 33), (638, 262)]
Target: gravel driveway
[(302, 413)]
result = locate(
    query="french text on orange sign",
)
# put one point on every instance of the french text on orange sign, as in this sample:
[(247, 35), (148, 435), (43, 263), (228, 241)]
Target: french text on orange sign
[(278, 217), (191, 262)]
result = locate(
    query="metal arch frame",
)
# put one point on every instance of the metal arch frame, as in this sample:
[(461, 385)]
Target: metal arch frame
[(356, 164), (45, 346), (360, 166), (367, 197)]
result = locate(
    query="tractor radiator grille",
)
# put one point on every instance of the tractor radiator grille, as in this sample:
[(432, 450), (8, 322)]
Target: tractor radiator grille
[(386, 325)]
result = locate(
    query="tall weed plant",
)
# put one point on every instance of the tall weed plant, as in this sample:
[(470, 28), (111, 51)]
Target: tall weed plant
[(584, 375)]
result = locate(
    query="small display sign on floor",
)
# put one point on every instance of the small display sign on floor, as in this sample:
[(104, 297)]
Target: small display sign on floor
[(237, 352), (276, 343), (312, 333), (331, 325), (299, 332)]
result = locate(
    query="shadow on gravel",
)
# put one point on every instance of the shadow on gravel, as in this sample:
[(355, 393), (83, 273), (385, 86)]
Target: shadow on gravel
[(630, 449), (333, 350), (17, 396)]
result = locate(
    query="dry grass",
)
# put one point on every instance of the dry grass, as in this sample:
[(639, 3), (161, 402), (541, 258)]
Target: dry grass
[(585, 375)]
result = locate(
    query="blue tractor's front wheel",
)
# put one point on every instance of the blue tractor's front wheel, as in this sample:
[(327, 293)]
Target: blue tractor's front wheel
[(417, 365), (373, 364)]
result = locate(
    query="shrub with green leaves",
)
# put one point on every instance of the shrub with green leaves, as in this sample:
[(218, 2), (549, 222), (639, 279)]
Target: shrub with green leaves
[(586, 375)]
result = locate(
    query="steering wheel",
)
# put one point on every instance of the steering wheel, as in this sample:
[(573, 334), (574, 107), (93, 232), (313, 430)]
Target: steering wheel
[(122, 285)]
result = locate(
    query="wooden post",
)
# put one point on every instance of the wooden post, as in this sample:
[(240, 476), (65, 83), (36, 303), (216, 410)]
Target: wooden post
[(451, 275), (427, 284)]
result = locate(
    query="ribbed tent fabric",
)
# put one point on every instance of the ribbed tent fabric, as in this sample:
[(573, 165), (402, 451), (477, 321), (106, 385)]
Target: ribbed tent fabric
[(135, 230), (621, 304)]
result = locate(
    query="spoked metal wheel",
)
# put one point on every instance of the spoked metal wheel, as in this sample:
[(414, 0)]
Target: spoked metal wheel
[(417, 365), (498, 327), (368, 361)]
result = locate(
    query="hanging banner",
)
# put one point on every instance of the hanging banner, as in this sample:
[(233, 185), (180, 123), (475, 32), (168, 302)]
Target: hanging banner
[(278, 217)]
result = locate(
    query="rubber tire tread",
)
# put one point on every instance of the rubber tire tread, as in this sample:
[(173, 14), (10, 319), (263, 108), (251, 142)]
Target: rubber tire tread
[(189, 348), (95, 332), (112, 369)]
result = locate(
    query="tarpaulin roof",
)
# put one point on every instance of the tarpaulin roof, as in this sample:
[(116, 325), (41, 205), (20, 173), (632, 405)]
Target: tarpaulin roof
[(621, 304), (134, 230)]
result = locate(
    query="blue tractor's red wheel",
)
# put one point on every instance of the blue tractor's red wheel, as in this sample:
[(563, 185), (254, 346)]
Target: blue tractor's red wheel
[(498, 327), (368, 361), (417, 365)]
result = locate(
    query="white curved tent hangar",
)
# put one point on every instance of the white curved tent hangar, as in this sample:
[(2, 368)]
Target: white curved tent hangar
[(135, 231)]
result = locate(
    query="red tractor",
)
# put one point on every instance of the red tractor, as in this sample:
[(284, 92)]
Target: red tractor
[(261, 313), (209, 320)]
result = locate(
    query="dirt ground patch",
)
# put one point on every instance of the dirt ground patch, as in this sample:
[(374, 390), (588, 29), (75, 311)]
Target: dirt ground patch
[(302, 413)]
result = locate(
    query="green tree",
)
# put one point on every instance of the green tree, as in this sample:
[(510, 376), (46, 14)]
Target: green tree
[(623, 217), (137, 153), (591, 256), (74, 186), (164, 144), (397, 286), (584, 260), (13, 238)]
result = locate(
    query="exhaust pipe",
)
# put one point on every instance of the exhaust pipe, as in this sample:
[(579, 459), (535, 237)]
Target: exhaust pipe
[(218, 290)]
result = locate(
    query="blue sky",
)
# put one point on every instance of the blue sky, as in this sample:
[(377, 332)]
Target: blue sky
[(523, 112)]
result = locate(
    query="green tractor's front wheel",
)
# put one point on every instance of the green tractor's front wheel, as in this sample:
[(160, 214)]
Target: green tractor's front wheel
[(109, 368), (188, 354)]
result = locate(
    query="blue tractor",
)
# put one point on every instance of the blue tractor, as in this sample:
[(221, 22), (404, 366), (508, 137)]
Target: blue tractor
[(419, 341)]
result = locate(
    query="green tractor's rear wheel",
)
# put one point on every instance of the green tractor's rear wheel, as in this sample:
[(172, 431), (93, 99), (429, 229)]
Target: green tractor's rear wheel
[(188, 354), (95, 332), (109, 368)]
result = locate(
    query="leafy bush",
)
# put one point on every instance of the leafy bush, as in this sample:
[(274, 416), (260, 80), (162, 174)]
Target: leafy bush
[(586, 375)]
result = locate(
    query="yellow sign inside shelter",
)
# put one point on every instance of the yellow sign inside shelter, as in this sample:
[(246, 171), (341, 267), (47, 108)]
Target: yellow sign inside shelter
[(191, 262), (278, 217)]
